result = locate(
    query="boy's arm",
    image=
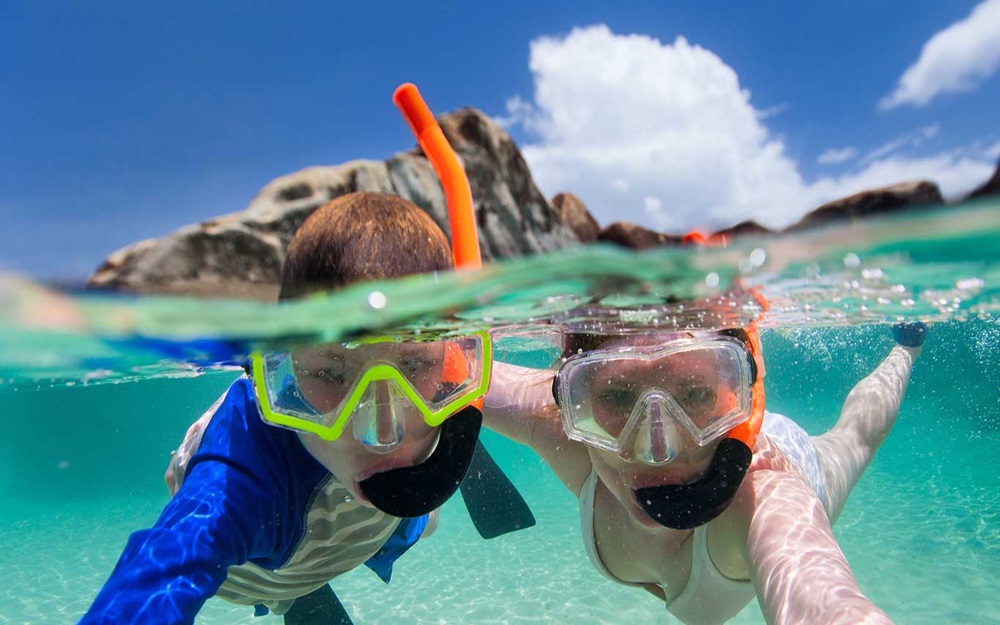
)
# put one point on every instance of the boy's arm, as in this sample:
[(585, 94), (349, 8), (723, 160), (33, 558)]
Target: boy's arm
[(520, 406), (166, 573), (234, 505)]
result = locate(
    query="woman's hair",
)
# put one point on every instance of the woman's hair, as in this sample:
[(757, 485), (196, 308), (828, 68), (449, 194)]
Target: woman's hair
[(358, 237)]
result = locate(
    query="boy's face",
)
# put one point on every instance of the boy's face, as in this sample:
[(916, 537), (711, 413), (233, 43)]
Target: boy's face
[(351, 461), (384, 431)]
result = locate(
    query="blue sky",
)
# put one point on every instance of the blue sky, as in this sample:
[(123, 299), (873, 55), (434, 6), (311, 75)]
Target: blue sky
[(121, 120)]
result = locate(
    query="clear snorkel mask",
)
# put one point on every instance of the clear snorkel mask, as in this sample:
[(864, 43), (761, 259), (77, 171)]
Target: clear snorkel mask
[(646, 398), (648, 394)]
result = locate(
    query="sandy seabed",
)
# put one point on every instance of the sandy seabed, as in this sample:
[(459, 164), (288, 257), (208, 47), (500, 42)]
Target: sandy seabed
[(57, 559)]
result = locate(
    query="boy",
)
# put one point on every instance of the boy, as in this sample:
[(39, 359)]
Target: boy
[(266, 515)]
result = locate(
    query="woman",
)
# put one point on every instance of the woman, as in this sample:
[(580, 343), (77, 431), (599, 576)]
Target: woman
[(688, 488)]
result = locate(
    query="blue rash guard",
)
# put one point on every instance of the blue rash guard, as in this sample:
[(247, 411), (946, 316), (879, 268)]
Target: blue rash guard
[(246, 498)]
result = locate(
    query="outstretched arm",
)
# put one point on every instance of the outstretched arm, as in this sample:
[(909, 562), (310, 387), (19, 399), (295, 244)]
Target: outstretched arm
[(229, 510), (866, 418), (799, 572), (165, 574), (520, 406)]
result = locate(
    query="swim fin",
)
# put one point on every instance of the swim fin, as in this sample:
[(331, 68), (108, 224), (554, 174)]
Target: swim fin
[(320, 607), (494, 504)]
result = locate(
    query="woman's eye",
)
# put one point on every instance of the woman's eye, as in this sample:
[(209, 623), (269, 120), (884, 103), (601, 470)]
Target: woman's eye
[(700, 396), (618, 399)]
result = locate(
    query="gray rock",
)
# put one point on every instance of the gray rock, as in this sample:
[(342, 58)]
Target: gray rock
[(990, 187), (628, 234), (746, 228), (898, 197), (241, 254), (575, 214)]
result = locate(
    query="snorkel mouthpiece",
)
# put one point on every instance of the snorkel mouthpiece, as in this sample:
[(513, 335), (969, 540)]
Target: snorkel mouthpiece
[(409, 492), (686, 506)]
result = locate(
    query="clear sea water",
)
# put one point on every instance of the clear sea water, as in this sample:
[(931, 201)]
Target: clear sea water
[(93, 407)]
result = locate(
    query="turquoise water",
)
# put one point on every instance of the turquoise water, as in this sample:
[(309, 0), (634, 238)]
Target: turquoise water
[(90, 420)]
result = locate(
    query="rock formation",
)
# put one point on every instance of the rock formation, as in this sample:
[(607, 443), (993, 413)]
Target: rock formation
[(628, 234), (574, 214), (990, 187), (746, 228), (872, 202), (241, 254)]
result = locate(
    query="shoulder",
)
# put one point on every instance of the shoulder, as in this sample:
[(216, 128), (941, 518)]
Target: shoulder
[(232, 432), (768, 456)]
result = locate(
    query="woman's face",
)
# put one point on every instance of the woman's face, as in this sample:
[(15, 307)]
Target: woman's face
[(691, 379)]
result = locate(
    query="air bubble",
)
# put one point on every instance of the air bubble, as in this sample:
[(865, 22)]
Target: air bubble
[(377, 300)]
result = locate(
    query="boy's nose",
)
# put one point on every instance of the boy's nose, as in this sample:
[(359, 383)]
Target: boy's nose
[(385, 415)]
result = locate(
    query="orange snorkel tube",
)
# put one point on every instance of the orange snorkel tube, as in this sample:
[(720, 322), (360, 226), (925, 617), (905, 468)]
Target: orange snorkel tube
[(457, 192)]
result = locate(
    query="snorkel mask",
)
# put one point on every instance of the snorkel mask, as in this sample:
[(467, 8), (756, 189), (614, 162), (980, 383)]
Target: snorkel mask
[(373, 386), (649, 396)]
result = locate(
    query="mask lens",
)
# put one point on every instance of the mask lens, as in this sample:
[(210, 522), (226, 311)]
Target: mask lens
[(699, 385)]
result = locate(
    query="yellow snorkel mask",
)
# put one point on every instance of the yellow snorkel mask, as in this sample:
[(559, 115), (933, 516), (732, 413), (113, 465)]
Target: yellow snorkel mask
[(374, 384)]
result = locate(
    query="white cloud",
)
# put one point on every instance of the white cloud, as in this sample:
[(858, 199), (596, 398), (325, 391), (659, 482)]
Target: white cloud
[(772, 111), (517, 111), (912, 139), (621, 120), (956, 173), (654, 209), (671, 120), (836, 156), (955, 60)]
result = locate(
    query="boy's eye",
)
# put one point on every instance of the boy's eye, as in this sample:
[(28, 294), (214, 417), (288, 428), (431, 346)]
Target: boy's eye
[(414, 364), (331, 375)]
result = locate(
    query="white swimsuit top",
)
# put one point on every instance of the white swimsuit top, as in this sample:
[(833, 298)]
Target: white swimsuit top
[(709, 597)]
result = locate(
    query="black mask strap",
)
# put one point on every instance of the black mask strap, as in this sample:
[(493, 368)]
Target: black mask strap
[(686, 506), (412, 491)]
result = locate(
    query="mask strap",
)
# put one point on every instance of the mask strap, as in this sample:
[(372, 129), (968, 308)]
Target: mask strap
[(747, 431)]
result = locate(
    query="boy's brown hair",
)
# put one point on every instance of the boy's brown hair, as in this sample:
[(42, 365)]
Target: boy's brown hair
[(362, 236)]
